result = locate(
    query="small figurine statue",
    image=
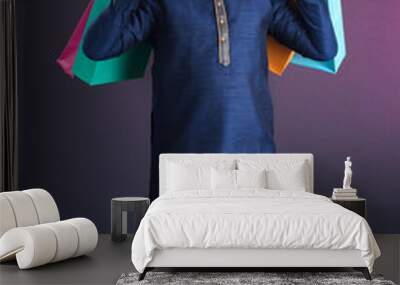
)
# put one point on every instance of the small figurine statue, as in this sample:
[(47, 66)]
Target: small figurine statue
[(348, 173)]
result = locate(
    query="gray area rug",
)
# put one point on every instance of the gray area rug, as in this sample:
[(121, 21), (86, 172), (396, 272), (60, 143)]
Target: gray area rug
[(269, 278)]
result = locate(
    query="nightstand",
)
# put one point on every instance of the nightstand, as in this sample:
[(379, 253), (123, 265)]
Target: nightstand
[(358, 206), (119, 215)]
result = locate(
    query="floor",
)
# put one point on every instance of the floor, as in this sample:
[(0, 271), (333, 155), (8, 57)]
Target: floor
[(103, 266), (110, 260)]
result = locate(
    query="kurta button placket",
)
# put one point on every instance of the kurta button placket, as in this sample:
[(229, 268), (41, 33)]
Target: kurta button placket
[(223, 32)]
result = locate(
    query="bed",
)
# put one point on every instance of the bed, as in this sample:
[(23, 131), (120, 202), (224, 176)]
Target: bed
[(247, 211)]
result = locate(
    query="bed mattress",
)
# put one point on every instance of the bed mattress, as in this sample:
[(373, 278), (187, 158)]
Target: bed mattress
[(250, 219)]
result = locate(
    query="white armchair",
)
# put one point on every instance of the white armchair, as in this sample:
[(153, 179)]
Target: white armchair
[(31, 230)]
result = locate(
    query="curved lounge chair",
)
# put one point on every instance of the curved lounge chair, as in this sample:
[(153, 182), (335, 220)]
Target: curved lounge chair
[(31, 231)]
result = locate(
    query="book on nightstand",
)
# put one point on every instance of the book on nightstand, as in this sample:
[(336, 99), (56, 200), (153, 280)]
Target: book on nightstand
[(344, 194)]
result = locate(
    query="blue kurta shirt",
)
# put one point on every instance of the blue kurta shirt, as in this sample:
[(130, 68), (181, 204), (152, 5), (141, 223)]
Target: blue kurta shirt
[(210, 73)]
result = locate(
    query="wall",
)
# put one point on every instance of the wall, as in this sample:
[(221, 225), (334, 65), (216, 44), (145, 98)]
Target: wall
[(86, 145), (353, 113)]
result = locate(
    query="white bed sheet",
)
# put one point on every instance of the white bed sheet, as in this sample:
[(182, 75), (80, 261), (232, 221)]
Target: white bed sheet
[(250, 218)]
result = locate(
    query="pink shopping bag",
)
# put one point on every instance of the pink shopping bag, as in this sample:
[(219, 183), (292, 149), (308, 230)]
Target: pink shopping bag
[(67, 58)]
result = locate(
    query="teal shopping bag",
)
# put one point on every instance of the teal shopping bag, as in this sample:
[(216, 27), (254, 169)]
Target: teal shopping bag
[(330, 66), (129, 65)]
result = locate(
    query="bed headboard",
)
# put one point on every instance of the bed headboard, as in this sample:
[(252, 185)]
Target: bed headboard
[(308, 158)]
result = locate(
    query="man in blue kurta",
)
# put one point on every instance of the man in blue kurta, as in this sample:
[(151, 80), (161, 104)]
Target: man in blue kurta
[(210, 71)]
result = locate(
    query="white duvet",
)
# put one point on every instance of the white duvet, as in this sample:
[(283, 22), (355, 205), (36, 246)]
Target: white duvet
[(250, 219)]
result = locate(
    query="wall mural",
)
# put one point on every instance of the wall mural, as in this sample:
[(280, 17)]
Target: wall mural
[(209, 96), (77, 139)]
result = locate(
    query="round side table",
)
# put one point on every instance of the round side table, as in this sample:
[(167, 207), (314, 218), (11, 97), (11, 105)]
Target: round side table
[(119, 215)]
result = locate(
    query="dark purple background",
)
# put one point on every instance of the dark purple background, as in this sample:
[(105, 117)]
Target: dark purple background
[(86, 145)]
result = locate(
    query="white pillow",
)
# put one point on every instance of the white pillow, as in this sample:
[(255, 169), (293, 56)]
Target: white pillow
[(251, 178), (223, 179), (193, 174), (238, 179), (281, 174)]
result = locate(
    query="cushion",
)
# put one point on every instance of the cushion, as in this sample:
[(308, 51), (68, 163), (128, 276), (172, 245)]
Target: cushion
[(251, 178), (87, 233), (238, 179), (223, 179), (281, 175), (67, 239), (45, 205), (26, 208), (23, 208), (7, 219), (193, 174)]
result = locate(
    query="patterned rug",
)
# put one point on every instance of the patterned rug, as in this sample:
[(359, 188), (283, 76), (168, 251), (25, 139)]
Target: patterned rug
[(244, 278)]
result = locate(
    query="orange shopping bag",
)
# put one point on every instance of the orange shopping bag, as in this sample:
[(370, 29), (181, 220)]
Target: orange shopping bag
[(279, 56)]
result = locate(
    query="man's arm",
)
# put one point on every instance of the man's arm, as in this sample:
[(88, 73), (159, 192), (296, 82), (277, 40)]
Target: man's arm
[(120, 27), (306, 28)]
